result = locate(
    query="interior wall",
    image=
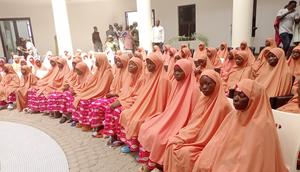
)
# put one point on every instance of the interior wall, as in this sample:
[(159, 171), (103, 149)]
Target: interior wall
[(41, 20), (83, 16)]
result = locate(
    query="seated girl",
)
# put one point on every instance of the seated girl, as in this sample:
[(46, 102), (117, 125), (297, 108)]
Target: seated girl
[(213, 106), (162, 126), (8, 86), (247, 139)]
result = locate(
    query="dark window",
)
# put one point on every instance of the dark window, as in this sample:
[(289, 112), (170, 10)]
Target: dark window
[(254, 27), (187, 20)]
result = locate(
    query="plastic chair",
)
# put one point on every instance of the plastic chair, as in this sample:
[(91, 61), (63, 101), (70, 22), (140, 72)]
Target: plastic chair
[(288, 127)]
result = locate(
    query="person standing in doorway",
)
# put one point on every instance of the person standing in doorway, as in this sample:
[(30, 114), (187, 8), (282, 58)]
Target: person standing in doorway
[(287, 18), (97, 40), (158, 35), (135, 35)]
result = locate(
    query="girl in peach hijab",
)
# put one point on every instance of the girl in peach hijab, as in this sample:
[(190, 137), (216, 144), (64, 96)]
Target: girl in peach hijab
[(82, 79), (39, 68), (228, 63), (57, 99), (213, 106), (38, 96), (241, 70), (222, 52), (8, 86), (27, 80), (185, 53), (215, 60), (125, 100), (151, 100), (97, 87), (247, 139), (99, 105), (171, 63), (166, 56), (275, 75), (293, 105), (294, 62), (261, 59), (201, 62), (38, 103), (181, 102), (244, 47), (157, 50), (200, 50)]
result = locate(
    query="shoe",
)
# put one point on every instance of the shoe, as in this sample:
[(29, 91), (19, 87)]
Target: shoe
[(86, 128), (74, 123), (57, 115), (70, 120), (10, 107), (63, 120), (125, 149), (78, 125), (2, 107)]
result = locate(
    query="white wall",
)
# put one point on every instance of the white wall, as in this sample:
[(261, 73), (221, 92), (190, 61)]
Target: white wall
[(213, 19), (83, 16), (41, 21)]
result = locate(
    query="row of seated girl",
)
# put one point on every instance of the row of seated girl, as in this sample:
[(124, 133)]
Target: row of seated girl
[(171, 108)]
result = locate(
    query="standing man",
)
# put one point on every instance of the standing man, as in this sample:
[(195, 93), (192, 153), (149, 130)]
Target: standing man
[(97, 40), (135, 36), (287, 18), (158, 35)]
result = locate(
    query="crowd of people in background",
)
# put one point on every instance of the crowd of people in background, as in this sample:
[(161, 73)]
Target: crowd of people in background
[(170, 107), (117, 38)]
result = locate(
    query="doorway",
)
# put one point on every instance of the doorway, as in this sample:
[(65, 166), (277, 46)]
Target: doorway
[(13, 33)]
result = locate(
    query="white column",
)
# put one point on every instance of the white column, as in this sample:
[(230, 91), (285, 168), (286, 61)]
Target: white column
[(144, 23), (62, 27), (241, 22)]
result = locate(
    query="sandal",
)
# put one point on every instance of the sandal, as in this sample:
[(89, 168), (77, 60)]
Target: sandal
[(117, 143), (125, 149), (63, 120)]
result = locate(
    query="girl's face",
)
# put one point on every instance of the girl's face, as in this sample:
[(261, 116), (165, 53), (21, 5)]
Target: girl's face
[(207, 85), (239, 60), (179, 74), (132, 67), (53, 63), (296, 54), (150, 65), (240, 100), (60, 66), (272, 59), (78, 72)]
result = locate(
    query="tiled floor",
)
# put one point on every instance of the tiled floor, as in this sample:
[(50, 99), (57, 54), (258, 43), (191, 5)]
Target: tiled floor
[(83, 152)]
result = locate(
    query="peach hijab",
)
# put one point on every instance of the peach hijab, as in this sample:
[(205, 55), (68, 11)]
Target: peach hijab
[(280, 74), (171, 63), (71, 78), (237, 73), (58, 80), (131, 85), (181, 102), (228, 64), (82, 80), (222, 54), (99, 85), (199, 52), (151, 100), (184, 148), (293, 105), (249, 51), (121, 75), (215, 60), (28, 80), (295, 64), (247, 140), (50, 76), (9, 83)]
